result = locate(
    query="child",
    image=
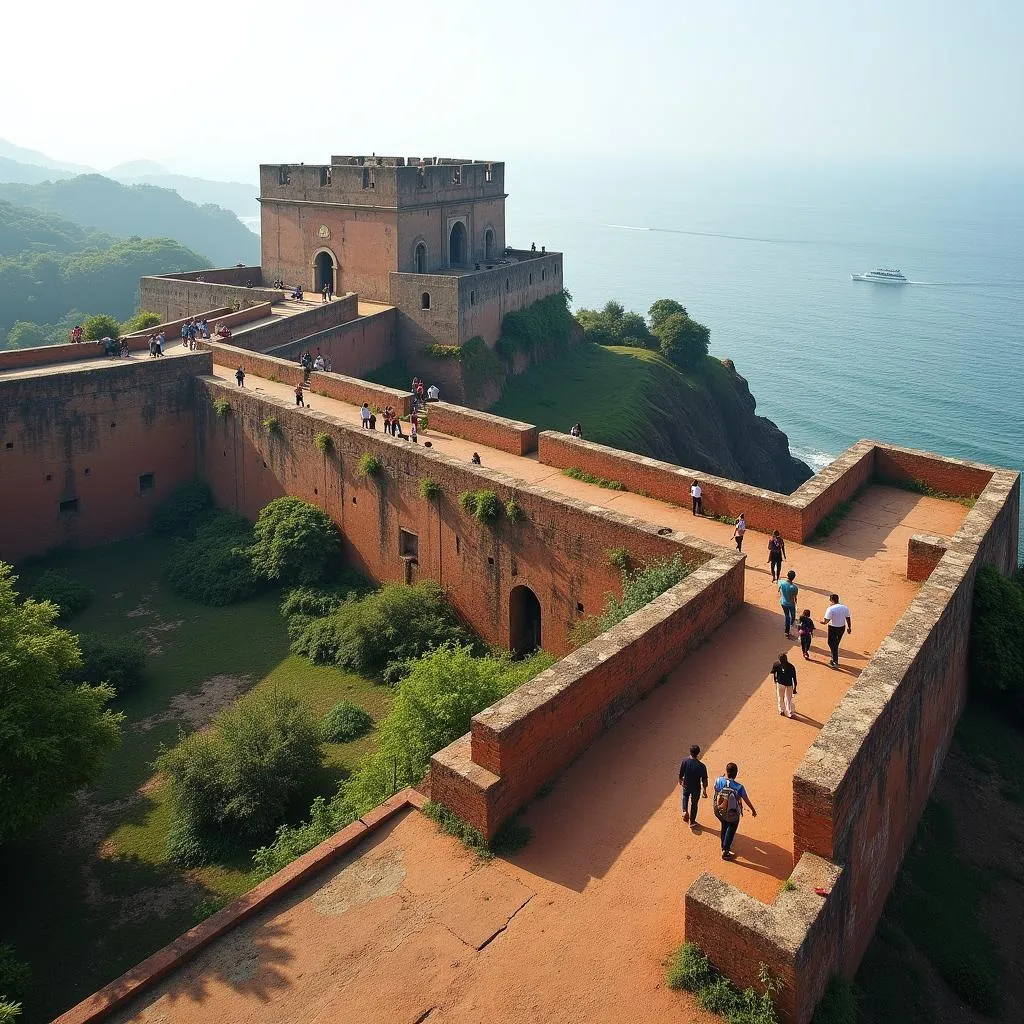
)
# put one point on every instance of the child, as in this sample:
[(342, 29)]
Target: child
[(805, 627), (741, 529)]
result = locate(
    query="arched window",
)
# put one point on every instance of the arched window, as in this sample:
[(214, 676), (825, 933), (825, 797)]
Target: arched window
[(457, 244), (421, 258), (488, 244), (425, 300)]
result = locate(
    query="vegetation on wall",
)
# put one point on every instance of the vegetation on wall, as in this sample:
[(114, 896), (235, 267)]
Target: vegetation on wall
[(429, 489), (482, 505), (369, 465), (689, 969), (482, 369), (543, 327), (997, 640)]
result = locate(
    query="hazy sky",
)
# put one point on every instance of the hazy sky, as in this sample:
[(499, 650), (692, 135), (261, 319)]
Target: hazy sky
[(217, 86)]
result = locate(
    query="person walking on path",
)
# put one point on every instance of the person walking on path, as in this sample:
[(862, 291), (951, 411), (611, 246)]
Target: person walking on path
[(696, 497), (776, 553), (365, 415), (240, 377), (693, 777), (300, 398), (730, 796), (788, 591), (837, 618), (805, 630), (741, 529), (784, 674)]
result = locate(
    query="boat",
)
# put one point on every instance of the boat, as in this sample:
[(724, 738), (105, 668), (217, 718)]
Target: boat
[(883, 276)]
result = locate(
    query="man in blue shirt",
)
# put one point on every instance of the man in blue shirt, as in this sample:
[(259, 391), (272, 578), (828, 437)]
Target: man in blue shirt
[(730, 796), (788, 591), (693, 777)]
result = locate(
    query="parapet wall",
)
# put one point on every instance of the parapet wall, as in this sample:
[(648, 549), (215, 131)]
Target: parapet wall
[(319, 316), (484, 428), (359, 346), (516, 746), (89, 453), (356, 392), (862, 786), (174, 297)]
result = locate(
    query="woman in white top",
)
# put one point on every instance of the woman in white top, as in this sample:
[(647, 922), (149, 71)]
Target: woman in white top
[(741, 528)]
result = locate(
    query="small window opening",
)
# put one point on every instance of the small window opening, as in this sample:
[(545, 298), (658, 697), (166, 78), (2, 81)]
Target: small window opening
[(408, 544), (69, 507), (490, 560), (457, 176), (284, 175), (488, 173), (368, 180), (9, 445), (531, 279), (458, 545), (579, 607), (88, 471), (542, 275), (49, 476), (315, 491), (147, 481), (325, 177), (421, 177), (264, 465), (353, 499), (425, 300), (112, 425), (472, 298)]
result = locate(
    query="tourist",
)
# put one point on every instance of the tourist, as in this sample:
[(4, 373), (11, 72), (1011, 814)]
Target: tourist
[(805, 630), (327, 364), (576, 430), (373, 421), (323, 294), (776, 553), (784, 674), (185, 334), (697, 499), (837, 617), (365, 414), (300, 398), (730, 796), (788, 591), (318, 363), (433, 394), (160, 343), (152, 346), (240, 377), (476, 459), (693, 777), (739, 531), (414, 424), (330, 292)]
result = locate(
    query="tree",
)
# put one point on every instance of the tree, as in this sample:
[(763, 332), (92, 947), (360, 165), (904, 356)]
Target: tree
[(633, 331), (25, 334), (683, 341), (54, 735), (101, 325), (612, 325), (661, 310), (295, 542), (140, 322)]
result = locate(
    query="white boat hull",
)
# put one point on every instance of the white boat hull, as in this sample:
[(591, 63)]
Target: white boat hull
[(877, 280)]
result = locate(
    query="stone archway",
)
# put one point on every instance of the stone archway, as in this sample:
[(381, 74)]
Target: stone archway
[(421, 258), (524, 632), (457, 244), (488, 245), (324, 267)]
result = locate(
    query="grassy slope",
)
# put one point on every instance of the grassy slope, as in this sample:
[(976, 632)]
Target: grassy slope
[(947, 947), (94, 894), (615, 393)]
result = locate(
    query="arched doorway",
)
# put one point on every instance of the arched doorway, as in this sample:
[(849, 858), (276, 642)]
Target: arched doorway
[(488, 244), (323, 267), (421, 259), (523, 621), (457, 244)]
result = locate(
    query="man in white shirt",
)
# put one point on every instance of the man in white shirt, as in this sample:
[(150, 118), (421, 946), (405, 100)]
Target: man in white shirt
[(432, 393), (698, 502), (837, 618)]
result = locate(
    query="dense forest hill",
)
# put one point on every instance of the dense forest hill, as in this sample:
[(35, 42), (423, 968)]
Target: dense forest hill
[(40, 292), (237, 196), (635, 399), (141, 210), (24, 231)]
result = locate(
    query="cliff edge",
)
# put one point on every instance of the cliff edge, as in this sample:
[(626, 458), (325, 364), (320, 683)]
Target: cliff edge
[(633, 399)]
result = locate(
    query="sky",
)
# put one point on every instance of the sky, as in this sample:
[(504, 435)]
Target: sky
[(214, 87)]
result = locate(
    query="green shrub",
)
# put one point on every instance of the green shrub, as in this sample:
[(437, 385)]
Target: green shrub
[(482, 505), (348, 585), (232, 784), (838, 1005), (70, 595), (429, 489), (683, 341), (369, 465), (119, 661), (272, 425), (215, 568), (514, 511), (639, 588), (345, 722), (997, 639), (443, 351), (324, 443), (102, 325), (394, 624), (433, 706), (9, 1011), (588, 478), (451, 824), (619, 558), (221, 407), (140, 322), (688, 968), (294, 542), (181, 513), (542, 328), (14, 974)]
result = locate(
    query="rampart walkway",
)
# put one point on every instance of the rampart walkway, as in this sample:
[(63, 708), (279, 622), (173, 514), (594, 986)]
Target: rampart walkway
[(411, 927)]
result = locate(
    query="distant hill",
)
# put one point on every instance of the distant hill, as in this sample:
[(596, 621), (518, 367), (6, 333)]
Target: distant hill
[(32, 156), (236, 196), (32, 174), (24, 231), (141, 210)]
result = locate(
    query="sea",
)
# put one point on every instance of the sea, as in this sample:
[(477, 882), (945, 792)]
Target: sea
[(763, 256)]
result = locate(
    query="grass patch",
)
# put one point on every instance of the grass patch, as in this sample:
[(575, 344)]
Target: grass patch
[(430, 489), (789, 885), (588, 478), (690, 970), (829, 522), (728, 520), (920, 487), (369, 465), (451, 824)]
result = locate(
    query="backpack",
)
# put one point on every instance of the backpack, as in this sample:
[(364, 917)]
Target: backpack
[(727, 805), (773, 545)]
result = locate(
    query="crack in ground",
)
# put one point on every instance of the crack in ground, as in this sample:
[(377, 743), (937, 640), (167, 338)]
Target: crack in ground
[(506, 924)]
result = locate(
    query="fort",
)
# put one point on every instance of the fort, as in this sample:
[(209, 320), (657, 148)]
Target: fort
[(391, 920)]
